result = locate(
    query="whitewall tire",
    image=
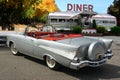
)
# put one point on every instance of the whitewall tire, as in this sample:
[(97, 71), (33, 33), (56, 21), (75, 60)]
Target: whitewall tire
[(14, 49), (51, 63)]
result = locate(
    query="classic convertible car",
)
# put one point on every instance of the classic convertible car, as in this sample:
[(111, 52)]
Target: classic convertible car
[(71, 50)]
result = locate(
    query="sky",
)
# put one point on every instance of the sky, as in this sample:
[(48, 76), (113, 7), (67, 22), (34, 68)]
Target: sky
[(100, 6)]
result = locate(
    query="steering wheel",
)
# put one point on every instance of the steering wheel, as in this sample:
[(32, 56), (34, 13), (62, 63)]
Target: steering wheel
[(33, 30)]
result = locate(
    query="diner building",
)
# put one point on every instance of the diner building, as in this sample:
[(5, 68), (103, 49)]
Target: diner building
[(105, 20), (66, 20)]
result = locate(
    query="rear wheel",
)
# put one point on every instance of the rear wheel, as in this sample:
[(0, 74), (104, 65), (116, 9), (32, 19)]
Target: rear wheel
[(14, 49), (51, 63)]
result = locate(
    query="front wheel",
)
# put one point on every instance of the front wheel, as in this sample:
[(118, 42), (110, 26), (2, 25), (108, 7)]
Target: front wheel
[(14, 49), (51, 63)]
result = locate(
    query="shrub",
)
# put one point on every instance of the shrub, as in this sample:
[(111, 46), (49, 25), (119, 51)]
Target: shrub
[(115, 30), (101, 29), (94, 25), (77, 29)]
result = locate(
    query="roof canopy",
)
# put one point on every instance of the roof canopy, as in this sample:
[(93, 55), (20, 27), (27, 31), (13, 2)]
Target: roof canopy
[(104, 16), (68, 14)]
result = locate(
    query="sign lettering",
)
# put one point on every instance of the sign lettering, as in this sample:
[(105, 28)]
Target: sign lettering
[(80, 7)]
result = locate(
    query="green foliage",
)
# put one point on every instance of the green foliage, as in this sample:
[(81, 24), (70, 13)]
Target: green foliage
[(94, 25), (101, 29), (43, 18), (77, 29), (17, 11), (115, 30), (28, 12), (23, 11), (114, 10)]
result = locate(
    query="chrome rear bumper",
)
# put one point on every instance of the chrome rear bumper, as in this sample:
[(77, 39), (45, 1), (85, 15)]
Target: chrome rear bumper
[(84, 63)]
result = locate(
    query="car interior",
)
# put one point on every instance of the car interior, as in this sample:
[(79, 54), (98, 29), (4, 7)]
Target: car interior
[(48, 33)]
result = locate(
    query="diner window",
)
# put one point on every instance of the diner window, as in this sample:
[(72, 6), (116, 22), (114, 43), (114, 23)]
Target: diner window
[(53, 20), (61, 20), (112, 22), (75, 20), (70, 20)]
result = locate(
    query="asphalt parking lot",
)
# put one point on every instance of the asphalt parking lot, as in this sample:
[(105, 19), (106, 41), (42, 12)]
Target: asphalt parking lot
[(26, 68)]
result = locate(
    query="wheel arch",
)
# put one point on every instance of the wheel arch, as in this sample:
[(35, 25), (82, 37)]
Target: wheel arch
[(10, 43), (45, 55), (55, 65), (57, 60)]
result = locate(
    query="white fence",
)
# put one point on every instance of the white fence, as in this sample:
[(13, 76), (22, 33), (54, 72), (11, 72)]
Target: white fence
[(89, 31)]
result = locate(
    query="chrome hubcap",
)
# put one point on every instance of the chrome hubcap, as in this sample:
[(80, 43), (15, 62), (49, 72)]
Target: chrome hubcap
[(13, 49), (50, 62)]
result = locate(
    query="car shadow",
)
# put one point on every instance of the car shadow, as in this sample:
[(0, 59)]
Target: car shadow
[(33, 59), (107, 71)]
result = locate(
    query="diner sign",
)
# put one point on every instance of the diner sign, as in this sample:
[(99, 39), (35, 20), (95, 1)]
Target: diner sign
[(80, 7)]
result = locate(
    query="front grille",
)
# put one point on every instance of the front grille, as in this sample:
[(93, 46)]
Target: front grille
[(3, 40)]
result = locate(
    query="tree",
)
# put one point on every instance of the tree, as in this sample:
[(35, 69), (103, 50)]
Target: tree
[(25, 11), (114, 10), (13, 11), (44, 8)]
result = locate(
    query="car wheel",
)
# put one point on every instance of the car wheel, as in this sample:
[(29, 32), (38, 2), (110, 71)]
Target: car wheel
[(14, 49), (51, 63)]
